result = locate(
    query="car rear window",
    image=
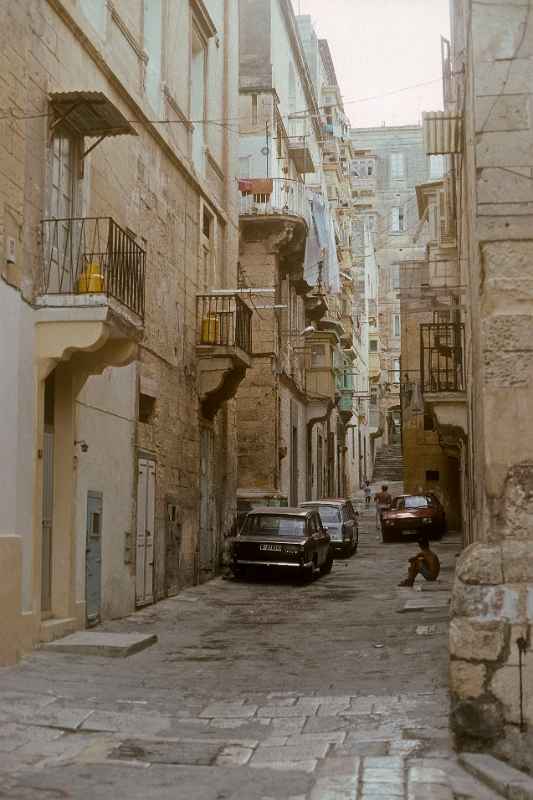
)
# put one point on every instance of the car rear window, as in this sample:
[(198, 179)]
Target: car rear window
[(415, 502), (267, 525), (328, 513)]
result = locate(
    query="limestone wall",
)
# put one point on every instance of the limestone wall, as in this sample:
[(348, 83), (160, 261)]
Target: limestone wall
[(493, 595)]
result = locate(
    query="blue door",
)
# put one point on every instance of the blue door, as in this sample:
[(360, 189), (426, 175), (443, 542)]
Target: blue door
[(93, 558)]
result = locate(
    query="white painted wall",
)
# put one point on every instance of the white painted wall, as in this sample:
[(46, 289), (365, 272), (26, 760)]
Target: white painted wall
[(105, 419), (17, 428)]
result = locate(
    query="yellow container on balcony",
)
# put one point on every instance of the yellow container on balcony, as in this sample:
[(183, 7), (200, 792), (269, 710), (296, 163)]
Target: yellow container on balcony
[(91, 280), (210, 329)]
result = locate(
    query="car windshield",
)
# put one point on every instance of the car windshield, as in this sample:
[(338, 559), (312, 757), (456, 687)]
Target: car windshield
[(329, 514), (270, 525), (413, 502)]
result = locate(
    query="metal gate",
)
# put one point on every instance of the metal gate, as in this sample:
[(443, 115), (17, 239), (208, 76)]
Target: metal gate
[(144, 571), (93, 558)]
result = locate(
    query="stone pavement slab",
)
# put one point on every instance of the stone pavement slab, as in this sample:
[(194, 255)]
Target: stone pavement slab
[(98, 643), (424, 601), (258, 689)]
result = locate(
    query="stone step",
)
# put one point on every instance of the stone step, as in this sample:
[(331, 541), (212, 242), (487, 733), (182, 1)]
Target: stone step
[(499, 776)]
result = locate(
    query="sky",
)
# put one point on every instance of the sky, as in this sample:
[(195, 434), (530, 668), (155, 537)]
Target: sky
[(379, 46)]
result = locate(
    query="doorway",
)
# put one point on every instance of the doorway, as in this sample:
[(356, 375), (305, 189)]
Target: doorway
[(93, 558), (144, 572), (48, 498), (207, 504)]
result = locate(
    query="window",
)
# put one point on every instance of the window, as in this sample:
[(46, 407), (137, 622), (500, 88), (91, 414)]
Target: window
[(429, 424), (146, 407), (244, 167), (254, 109), (396, 330), (397, 166), (198, 98), (208, 247), (292, 88), (432, 475), (373, 346), (396, 370), (436, 167), (397, 220), (395, 276)]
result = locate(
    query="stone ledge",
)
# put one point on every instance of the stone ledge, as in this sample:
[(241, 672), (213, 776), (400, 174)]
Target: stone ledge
[(92, 643), (501, 777)]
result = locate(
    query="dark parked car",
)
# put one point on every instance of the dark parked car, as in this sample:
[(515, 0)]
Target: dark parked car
[(342, 522), (413, 514), (292, 538)]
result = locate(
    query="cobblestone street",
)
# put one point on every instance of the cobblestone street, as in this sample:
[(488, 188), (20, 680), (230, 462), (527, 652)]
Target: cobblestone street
[(255, 689)]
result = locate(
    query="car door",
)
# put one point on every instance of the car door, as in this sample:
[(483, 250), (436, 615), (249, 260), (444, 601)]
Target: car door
[(355, 517), (321, 538), (348, 524)]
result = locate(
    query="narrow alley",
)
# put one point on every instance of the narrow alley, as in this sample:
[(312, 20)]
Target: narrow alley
[(255, 689)]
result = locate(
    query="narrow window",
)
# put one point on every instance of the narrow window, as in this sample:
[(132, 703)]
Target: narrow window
[(254, 109), (198, 98), (397, 166), (397, 220), (396, 325), (373, 345)]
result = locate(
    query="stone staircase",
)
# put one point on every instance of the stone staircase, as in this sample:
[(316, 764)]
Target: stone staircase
[(389, 464)]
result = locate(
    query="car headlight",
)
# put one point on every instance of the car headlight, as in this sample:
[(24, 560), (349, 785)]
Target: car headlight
[(427, 520), (389, 522), (292, 551)]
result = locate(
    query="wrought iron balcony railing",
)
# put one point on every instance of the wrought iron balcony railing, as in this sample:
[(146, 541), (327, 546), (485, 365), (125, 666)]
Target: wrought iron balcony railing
[(442, 357), (270, 196), (92, 255), (224, 320)]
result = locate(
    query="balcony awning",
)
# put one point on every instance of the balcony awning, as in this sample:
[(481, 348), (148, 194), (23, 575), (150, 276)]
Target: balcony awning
[(89, 114)]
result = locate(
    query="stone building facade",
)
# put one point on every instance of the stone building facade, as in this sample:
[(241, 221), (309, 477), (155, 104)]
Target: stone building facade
[(294, 435), (118, 217), (478, 363), (388, 164)]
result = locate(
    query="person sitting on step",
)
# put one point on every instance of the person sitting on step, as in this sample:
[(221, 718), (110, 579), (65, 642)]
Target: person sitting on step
[(426, 562)]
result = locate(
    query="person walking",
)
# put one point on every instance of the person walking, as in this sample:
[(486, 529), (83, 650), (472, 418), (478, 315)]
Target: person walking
[(368, 492), (383, 501)]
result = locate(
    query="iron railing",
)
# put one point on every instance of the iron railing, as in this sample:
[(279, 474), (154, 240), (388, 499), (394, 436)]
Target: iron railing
[(268, 196), (93, 255), (442, 357), (224, 320)]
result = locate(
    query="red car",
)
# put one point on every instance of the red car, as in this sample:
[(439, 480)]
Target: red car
[(412, 515)]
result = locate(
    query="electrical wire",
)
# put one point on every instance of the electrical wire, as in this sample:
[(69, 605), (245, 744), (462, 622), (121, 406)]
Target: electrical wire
[(223, 122)]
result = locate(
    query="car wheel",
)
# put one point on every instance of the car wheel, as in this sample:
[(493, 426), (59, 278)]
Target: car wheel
[(347, 550), (307, 574), (386, 538), (328, 563)]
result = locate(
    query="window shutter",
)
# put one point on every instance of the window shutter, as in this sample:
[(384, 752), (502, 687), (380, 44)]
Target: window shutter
[(395, 220)]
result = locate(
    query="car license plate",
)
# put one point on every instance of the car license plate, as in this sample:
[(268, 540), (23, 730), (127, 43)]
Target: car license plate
[(273, 548), (409, 532)]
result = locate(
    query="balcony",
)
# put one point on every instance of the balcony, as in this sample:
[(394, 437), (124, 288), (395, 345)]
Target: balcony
[(443, 376), (300, 145), (276, 211), (320, 374), (90, 292), (224, 347), (267, 197), (346, 404)]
